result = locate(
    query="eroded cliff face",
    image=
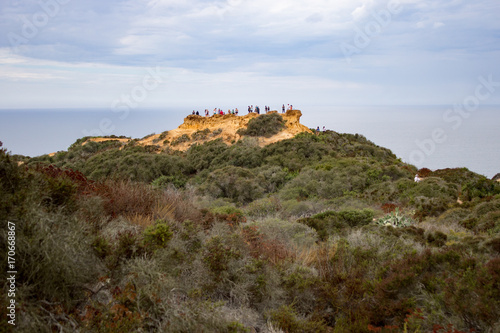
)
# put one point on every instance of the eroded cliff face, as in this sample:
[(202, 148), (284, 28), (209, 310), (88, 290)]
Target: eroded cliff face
[(199, 129)]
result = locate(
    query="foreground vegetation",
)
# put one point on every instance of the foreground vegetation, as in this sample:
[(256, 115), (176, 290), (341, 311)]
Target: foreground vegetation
[(320, 233)]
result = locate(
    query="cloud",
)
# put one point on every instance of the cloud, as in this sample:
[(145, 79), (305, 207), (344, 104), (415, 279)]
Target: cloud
[(220, 39)]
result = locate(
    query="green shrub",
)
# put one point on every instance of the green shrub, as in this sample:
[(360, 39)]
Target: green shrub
[(480, 188), (201, 157), (226, 210), (54, 258), (229, 214), (490, 222), (178, 181), (287, 319), (331, 222), (244, 153), (60, 192), (265, 125), (157, 235), (14, 187), (273, 178), (454, 215), (355, 218), (217, 255), (127, 244), (163, 135), (216, 132), (101, 246), (291, 234), (436, 238), (332, 178), (183, 138), (486, 207), (301, 208), (200, 134), (264, 207), (235, 183)]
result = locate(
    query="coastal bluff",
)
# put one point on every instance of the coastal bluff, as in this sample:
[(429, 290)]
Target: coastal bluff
[(199, 129)]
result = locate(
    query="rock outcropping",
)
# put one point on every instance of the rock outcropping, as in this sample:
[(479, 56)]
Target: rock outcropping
[(199, 129)]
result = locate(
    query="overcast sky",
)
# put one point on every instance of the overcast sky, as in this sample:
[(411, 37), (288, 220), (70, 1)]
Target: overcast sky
[(157, 53)]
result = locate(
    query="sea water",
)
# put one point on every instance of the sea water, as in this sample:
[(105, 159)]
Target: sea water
[(425, 136)]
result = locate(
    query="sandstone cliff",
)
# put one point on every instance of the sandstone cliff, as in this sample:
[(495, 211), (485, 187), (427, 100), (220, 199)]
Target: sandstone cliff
[(199, 129)]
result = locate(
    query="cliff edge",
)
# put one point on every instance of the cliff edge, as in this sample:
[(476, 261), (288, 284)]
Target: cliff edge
[(200, 129)]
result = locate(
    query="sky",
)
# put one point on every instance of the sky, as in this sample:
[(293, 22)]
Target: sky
[(205, 53)]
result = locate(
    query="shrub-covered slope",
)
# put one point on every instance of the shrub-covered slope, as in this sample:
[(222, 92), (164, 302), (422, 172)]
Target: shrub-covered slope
[(319, 233)]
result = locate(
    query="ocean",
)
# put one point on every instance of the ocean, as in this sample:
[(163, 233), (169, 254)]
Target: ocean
[(435, 137)]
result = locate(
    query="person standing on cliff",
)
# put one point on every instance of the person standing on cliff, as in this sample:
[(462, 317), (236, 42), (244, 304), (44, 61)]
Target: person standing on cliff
[(283, 109)]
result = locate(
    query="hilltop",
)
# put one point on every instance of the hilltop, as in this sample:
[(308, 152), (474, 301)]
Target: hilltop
[(228, 127)]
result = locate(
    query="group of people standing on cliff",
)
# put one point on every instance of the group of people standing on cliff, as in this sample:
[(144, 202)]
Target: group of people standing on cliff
[(234, 111), (268, 109), (216, 111)]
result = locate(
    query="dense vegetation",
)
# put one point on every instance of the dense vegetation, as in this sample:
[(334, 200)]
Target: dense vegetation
[(320, 233), (265, 125)]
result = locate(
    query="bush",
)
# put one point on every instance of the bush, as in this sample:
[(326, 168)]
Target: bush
[(201, 157), (178, 181), (237, 184), (183, 138), (330, 222), (231, 215), (357, 218), (480, 188), (54, 259), (265, 125), (128, 198), (299, 208), (200, 134), (287, 319), (217, 255), (332, 179), (454, 215), (291, 234), (264, 207), (157, 235)]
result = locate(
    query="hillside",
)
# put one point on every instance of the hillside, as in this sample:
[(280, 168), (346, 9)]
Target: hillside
[(319, 232), (197, 130)]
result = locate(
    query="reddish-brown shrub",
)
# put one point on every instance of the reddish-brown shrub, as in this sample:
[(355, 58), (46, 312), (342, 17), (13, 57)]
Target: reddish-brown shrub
[(272, 250), (424, 172), (389, 207)]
